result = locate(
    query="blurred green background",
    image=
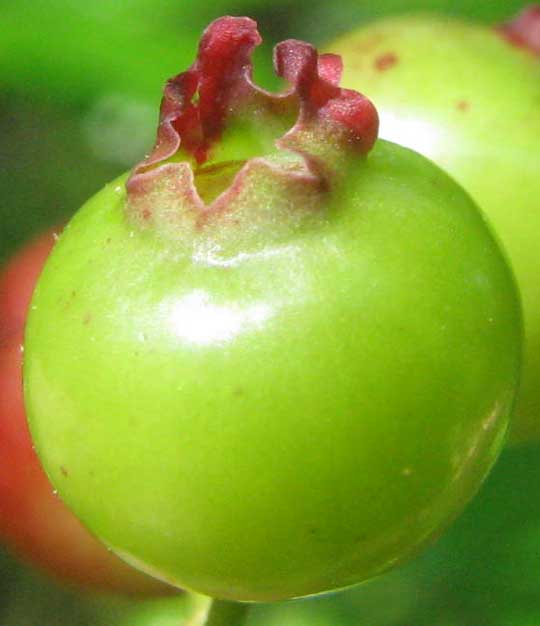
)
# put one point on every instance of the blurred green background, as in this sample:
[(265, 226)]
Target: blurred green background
[(80, 85)]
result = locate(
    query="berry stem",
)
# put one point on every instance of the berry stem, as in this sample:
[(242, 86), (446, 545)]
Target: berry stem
[(226, 613), (213, 612)]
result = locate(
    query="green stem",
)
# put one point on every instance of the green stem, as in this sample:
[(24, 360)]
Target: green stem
[(210, 612), (225, 613)]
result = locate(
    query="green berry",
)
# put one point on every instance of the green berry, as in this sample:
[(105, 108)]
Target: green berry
[(275, 362)]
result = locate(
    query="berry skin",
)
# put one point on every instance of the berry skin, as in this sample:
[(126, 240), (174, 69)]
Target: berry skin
[(468, 97), (34, 523), (280, 356)]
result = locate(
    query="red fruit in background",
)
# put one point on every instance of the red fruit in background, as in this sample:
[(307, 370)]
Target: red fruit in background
[(34, 523)]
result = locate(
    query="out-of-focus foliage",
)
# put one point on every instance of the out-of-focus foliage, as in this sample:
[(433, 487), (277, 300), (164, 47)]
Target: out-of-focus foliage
[(70, 50), (76, 49), (80, 86), (36, 601)]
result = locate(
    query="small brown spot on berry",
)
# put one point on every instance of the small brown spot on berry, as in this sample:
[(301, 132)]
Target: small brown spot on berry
[(385, 61), (64, 471), (87, 319), (463, 106)]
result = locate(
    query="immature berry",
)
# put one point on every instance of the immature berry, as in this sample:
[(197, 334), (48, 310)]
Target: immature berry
[(277, 361)]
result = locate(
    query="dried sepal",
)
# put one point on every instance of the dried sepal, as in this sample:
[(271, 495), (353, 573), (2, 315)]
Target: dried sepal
[(190, 176)]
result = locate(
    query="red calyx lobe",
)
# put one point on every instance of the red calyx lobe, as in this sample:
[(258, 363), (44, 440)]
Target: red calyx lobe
[(524, 30), (199, 102), (220, 73)]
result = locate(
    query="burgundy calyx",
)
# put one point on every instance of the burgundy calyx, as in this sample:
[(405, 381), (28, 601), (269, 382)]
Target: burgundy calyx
[(524, 30), (197, 104)]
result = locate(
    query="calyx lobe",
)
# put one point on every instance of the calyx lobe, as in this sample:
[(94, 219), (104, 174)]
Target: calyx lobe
[(332, 125)]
